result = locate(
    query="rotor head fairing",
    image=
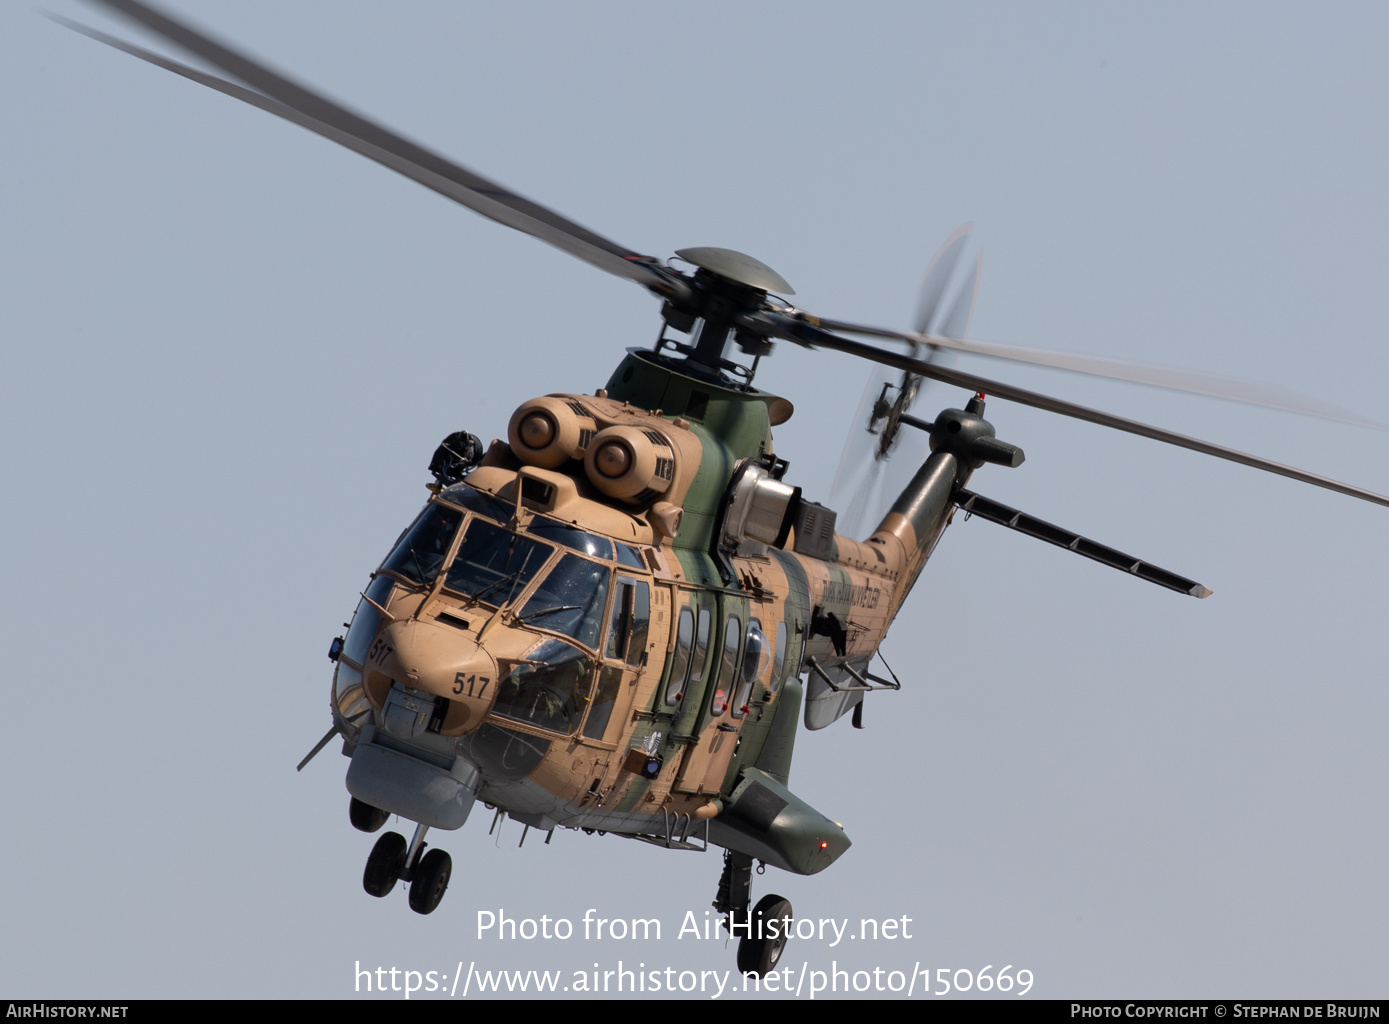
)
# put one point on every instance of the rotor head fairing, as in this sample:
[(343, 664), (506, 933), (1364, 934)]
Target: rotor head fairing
[(738, 267)]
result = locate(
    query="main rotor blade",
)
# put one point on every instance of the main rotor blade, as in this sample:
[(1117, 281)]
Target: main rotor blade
[(1134, 373), (810, 333), (278, 95)]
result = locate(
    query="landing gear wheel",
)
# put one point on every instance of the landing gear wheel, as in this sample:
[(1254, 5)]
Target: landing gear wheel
[(365, 817), (759, 951), (430, 881), (384, 865)]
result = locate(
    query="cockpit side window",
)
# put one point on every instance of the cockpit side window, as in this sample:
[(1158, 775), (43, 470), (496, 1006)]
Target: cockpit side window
[(366, 620), (629, 624), (348, 695), (604, 700), (420, 553), (630, 621)]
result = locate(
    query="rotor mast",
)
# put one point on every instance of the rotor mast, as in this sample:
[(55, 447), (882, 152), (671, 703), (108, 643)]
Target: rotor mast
[(726, 287)]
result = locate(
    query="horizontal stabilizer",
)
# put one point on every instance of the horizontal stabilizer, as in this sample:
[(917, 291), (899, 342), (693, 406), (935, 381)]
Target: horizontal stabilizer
[(978, 505)]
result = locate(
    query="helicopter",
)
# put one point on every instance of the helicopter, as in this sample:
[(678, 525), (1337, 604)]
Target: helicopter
[(716, 549)]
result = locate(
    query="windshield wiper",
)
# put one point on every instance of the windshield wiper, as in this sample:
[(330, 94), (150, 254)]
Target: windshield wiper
[(547, 611), (500, 581), (423, 578)]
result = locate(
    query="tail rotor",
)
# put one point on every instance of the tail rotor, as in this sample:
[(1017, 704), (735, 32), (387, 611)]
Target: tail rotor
[(878, 457)]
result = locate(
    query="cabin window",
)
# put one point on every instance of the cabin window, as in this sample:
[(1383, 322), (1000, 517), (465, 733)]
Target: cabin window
[(570, 600), (700, 653), (420, 553), (755, 661), (680, 660), (630, 622), (728, 665)]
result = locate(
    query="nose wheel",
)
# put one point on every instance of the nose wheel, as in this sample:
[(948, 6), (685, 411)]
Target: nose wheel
[(393, 860)]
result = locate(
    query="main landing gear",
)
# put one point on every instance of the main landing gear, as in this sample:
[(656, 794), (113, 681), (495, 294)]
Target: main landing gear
[(392, 860), (762, 934)]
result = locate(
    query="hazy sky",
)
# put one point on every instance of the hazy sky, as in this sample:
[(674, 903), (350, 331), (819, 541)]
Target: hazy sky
[(230, 348)]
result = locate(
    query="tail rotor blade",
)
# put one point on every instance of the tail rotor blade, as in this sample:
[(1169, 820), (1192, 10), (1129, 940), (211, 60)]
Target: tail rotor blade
[(957, 321), (937, 277), (878, 457)]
